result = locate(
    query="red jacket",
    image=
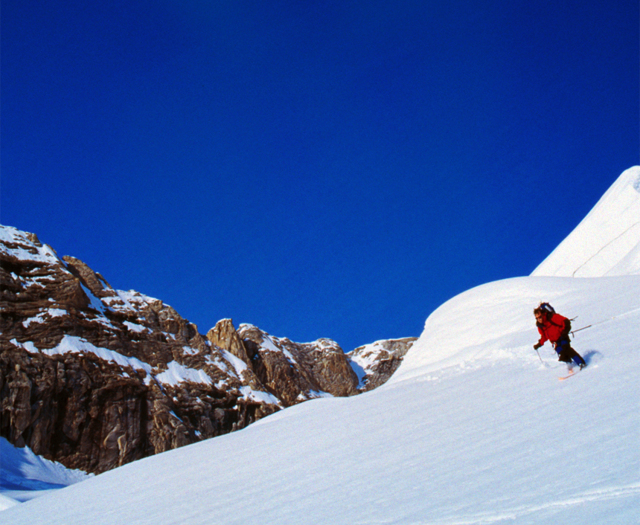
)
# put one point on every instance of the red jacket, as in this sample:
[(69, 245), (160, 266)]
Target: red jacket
[(554, 328)]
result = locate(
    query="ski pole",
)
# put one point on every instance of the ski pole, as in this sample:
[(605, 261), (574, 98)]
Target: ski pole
[(580, 329), (539, 356)]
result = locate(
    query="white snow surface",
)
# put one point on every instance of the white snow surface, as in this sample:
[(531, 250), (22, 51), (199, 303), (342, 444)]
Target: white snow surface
[(607, 241), (474, 428), (24, 475)]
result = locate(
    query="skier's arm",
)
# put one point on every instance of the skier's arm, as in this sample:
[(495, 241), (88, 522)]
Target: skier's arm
[(543, 339)]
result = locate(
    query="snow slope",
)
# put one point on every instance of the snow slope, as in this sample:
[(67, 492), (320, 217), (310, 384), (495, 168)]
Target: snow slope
[(472, 429), (607, 241), (24, 475)]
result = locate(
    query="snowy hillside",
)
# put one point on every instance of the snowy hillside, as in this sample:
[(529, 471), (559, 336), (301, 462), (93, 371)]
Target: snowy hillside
[(472, 429), (24, 475), (607, 241)]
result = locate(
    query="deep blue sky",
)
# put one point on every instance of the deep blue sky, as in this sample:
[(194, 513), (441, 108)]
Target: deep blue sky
[(317, 168)]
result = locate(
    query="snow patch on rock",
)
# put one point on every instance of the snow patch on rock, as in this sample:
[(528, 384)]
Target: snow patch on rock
[(177, 373), (77, 345)]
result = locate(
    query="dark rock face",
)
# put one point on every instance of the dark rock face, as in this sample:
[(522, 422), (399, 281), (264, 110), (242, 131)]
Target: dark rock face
[(95, 377)]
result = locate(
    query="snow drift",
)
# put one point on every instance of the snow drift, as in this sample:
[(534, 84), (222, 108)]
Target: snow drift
[(472, 429)]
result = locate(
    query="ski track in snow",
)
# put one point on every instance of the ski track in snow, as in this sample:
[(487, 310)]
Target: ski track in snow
[(519, 513)]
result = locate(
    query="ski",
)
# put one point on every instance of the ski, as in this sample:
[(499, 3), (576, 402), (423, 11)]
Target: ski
[(571, 374)]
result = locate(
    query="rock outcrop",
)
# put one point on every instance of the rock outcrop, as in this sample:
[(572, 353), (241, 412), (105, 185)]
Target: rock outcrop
[(375, 363), (296, 372), (95, 377)]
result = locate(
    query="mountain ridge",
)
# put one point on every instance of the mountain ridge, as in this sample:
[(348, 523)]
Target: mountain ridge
[(95, 377)]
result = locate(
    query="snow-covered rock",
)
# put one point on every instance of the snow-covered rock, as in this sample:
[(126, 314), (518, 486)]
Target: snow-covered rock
[(375, 363), (298, 371)]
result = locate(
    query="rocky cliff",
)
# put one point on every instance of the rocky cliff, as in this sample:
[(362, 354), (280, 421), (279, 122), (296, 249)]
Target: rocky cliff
[(95, 377)]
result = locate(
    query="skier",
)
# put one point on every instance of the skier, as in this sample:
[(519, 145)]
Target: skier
[(555, 328)]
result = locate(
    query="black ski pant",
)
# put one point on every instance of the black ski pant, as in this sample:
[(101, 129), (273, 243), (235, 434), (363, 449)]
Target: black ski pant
[(566, 354)]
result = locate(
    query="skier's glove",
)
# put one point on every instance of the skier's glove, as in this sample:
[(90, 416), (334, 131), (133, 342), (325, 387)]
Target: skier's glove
[(536, 346)]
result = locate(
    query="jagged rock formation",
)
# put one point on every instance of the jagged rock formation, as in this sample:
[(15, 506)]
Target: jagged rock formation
[(95, 377), (375, 363), (296, 372)]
